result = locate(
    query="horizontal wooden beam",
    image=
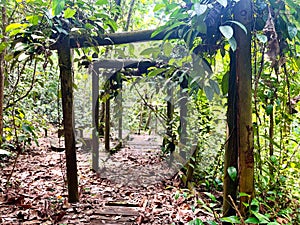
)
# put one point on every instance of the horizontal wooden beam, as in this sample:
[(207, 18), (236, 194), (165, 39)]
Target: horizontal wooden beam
[(117, 38), (119, 64)]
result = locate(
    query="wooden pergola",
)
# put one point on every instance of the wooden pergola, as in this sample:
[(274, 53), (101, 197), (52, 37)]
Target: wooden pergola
[(64, 46), (239, 151), (114, 66)]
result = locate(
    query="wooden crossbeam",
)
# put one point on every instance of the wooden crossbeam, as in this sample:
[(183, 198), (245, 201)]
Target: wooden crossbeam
[(117, 38)]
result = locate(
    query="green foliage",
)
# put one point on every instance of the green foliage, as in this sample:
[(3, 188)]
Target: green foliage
[(275, 117), (232, 173)]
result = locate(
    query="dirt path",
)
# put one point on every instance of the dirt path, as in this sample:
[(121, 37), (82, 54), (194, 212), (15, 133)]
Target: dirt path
[(133, 187)]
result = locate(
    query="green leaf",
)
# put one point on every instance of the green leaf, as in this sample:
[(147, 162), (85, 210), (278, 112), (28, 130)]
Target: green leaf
[(112, 24), (252, 220), (254, 205), (28, 129), (215, 86), (23, 56), (262, 38), (211, 222), (200, 8), (14, 26), (274, 160), (262, 218), (155, 51), (3, 46), (231, 219), (168, 48), (158, 31), (102, 2), (227, 31), (196, 221), (292, 31), (156, 71), (225, 83), (34, 20), (223, 2), (211, 196), (209, 92), (242, 194), (9, 57), (158, 7), (240, 25), (232, 172), (69, 13), (4, 152), (57, 7), (232, 43), (269, 109), (273, 223)]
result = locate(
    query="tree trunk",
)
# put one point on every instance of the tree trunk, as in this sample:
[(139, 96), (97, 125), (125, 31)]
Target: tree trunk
[(66, 78), (2, 70), (243, 14)]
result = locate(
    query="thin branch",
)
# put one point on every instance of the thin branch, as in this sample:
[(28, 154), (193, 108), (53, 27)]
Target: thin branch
[(28, 91), (236, 209), (129, 15), (159, 117)]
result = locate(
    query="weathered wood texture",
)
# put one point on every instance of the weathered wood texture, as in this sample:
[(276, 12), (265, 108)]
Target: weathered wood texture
[(116, 38), (95, 120), (66, 78), (239, 149), (107, 126), (243, 14)]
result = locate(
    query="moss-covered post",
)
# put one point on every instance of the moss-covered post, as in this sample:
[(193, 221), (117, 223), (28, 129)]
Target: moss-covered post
[(66, 79)]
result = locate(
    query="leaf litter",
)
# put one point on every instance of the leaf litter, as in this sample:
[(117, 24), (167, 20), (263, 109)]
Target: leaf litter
[(37, 192)]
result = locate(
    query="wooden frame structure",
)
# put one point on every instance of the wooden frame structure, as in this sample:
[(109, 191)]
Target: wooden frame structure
[(239, 114), (64, 45), (116, 65)]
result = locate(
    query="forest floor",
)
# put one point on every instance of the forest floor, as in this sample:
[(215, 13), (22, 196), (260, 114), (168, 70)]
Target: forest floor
[(134, 186)]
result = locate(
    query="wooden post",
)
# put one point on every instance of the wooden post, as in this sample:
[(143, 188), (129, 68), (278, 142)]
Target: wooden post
[(66, 79), (183, 115), (239, 149), (120, 117), (231, 148), (170, 111), (243, 14), (107, 126), (95, 120)]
